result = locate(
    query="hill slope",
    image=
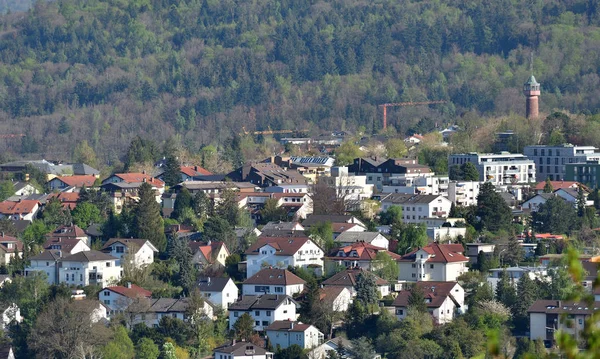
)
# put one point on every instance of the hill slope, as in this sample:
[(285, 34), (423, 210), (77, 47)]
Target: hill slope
[(106, 70)]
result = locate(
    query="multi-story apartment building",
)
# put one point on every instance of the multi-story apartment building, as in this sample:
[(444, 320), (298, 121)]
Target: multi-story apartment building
[(418, 208), (587, 173), (551, 161), (381, 172), (463, 193), (498, 168)]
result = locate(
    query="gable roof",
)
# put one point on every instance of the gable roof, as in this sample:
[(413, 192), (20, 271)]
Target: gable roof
[(138, 178), (241, 349), (77, 181), (343, 227), (47, 255), (562, 306), (129, 243), (556, 185), (132, 291), (333, 218), (288, 326), (364, 251), (400, 198), (88, 256), (16, 244), (274, 276), (438, 253), (330, 293), (25, 206), (435, 294), (208, 250), (284, 246), (212, 284), (72, 231), (281, 226), (65, 245), (353, 237), (348, 278), (193, 171), (265, 301)]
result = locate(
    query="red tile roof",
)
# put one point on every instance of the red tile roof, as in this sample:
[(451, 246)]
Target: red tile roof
[(208, 250), (78, 181), (288, 326), (67, 232), (65, 245), (363, 250), (348, 278), (139, 177), (285, 246), (274, 276), (435, 294), (67, 199), (195, 171), (133, 292), (557, 185), (439, 253), (25, 206), (342, 227), (5, 240)]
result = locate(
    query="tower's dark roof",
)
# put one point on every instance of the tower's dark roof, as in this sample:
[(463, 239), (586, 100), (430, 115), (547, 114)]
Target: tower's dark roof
[(531, 81)]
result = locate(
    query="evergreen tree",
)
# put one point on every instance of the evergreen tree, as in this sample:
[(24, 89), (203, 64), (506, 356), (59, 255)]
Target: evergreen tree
[(469, 172), (55, 215), (416, 299), (172, 173), (228, 207), (244, 327), (580, 202), (272, 211), (86, 214), (514, 252), (555, 216), (505, 291), (218, 229), (180, 252), (182, 201), (147, 222), (202, 205), (548, 188), (492, 210), (528, 293), (366, 289)]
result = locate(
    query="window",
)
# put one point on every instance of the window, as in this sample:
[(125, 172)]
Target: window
[(235, 314), (107, 264), (265, 323), (535, 151), (106, 293), (431, 266), (257, 323), (73, 277), (414, 275), (580, 321), (81, 277), (256, 313), (541, 169), (261, 289), (120, 249), (400, 311), (414, 265), (278, 289), (549, 152), (556, 161), (268, 313), (107, 302)]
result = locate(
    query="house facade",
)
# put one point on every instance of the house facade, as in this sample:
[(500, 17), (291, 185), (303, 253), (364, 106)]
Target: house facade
[(25, 209), (551, 161), (283, 334), (348, 279), (273, 281), (498, 168), (444, 300), (264, 309), (357, 255), (118, 298), (218, 290), (208, 254), (418, 208), (435, 262), (545, 318), (141, 250), (241, 350)]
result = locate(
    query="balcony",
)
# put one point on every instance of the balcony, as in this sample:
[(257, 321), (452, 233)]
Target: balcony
[(439, 213)]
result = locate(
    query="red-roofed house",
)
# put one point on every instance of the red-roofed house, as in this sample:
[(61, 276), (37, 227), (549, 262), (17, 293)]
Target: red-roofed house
[(556, 185), (208, 254), (66, 199), (348, 279), (273, 281), (357, 255), (59, 183), (444, 300), (25, 209), (9, 248), (123, 188), (284, 333), (281, 252), (117, 298), (134, 178), (435, 262)]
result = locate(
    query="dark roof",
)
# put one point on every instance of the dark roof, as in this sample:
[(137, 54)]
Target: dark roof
[(89, 256), (288, 326), (348, 278), (128, 242), (6, 351), (352, 237), (131, 291), (72, 231), (435, 294), (359, 251), (20, 224), (321, 218), (285, 246), (48, 255), (274, 276), (279, 226), (438, 253), (65, 245), (410, 198), (212, 284), (168, 305), (558, 307), (266, 301), (241, 349), (330, 293)]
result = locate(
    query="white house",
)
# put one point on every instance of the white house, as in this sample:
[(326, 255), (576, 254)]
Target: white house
[(218, 290), (417, 208), (151, 311), (463, 193), (348, 279), (374, 238), (117, 298), (281, 252), (273, 281), (534, 202), (88, 268), (545, 318), (70, 232), (62, 182), (336, 298), (10, 313), (514, 274), (498, 168), (10, 247), (264, 309), (444, 300), (66, 246), (208, 254), (241, 350), (143, 250), (25, 209), (285, 333), (46, 263), (434, 262), (357, 255), (352, 188)]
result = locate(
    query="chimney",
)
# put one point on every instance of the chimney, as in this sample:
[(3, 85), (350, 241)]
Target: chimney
[(144, 180), (233, 341), (292, 325), (128, 285), (2, 234), (144, 172), (208, 280)]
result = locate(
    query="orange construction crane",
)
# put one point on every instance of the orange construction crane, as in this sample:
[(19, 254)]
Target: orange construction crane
[(397, 104)]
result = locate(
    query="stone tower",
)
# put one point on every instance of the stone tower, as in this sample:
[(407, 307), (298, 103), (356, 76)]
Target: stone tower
[(531, 90)]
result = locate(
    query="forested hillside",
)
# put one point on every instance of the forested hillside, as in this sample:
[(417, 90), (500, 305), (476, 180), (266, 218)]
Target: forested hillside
[(107, 70)]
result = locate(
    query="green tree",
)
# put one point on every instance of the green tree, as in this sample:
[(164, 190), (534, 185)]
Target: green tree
[(146, 349), (322, 234), (492, 210), (555, 216), (514, 252), (182, 201), (416, 299), (36, 232), (172, 172), (395, 148), (148, 223), (218, 229), (548, 188), (387, 267), (361, 348), (272, 211), (120, 347), (84, 153), (55, 215), (180, 252), (202, 205), (469, 172), (528, 293), (346, 153), (505, 291), (244, 327), (227, 208), (409, 236), (580, 202), (392, 215), (86, 214), (366, 289), (7, 189), (294, 351)]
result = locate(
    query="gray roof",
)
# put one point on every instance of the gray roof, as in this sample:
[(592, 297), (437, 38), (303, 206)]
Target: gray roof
[(279, 226), (212, 284), (266, 301), (80, 169), (352, 237), (89, 256), (48, 255), (57, 169), (241, 349), (320, 218), (410, 198)]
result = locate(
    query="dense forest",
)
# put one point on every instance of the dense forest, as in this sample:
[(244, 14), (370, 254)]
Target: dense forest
[(108, 70)]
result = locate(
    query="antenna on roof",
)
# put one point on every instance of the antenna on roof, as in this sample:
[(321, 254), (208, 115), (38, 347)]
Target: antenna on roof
[(531, 62)]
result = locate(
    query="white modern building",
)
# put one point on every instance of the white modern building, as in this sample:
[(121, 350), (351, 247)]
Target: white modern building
[(417, 208), (545, 318), (463, 193), (514, 274), (353, 188), (498, 168), (550, 161), (434, 262)]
